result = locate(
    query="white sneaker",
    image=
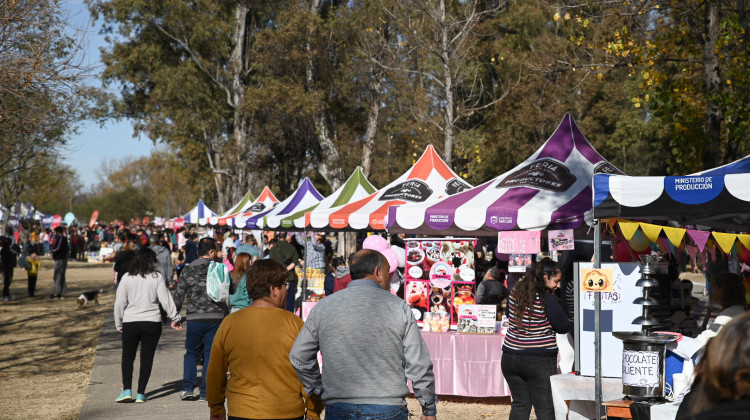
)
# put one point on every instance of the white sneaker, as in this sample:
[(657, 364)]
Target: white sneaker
[(187, 396)]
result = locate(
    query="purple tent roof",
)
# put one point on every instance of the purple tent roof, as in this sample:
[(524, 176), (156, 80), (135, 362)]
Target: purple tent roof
[(305, 196), (550, 189)]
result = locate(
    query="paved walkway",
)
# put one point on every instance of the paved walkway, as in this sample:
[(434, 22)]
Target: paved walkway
[(163, 389)]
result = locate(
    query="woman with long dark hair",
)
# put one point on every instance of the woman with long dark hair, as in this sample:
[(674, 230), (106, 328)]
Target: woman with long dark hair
[(530, 348), (137, 317)]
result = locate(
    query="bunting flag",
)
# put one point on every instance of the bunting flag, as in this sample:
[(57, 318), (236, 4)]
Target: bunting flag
[(667, 246), (675, 235), (652, 231), (678, 253), (611, 224), (744, 240), (711, 250), (699, 237), (725, 241), (628, 229), (692, 252)]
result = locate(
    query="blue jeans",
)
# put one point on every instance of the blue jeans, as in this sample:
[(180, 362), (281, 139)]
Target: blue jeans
[(528, 380), (197, 334), (344, 411)]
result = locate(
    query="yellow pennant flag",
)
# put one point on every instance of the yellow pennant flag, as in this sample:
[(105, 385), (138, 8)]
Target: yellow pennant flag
[(628, 228), (652, 231), (675, 235), (725, 240), (745, 240)]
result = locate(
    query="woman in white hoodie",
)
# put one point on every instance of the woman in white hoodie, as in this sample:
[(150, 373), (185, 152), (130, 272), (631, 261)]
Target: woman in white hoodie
[(137, 317)]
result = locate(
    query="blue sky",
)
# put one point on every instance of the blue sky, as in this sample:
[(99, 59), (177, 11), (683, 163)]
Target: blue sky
[(94, 145)]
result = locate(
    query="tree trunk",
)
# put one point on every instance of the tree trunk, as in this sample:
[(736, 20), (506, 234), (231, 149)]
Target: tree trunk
[(713, 86), (448, 81), (372, 124), (238, 68), (330, 165), (214, 162)]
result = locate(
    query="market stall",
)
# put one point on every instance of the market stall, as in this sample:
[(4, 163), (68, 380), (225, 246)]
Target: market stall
[(549, 190), (303, 197), (715, 199), (198, 213), (265, 201), (221, 219), (428, 179), (355, 188)]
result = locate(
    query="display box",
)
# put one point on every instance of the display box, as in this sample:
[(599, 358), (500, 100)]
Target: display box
[(477, 319), (439, 273)]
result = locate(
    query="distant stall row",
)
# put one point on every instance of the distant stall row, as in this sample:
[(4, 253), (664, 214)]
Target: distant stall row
[(552, 189)]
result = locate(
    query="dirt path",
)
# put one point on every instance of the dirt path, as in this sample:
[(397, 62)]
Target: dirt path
[(47, 345)]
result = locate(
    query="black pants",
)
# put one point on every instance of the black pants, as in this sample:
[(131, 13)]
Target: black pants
[(528, 380), (147, 334), (7, 280), (32, 284), (290, 296)]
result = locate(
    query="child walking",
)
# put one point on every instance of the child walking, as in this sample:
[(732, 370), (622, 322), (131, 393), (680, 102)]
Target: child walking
[(32, 271)]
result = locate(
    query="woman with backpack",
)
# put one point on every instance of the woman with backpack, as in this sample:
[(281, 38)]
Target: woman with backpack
[(137, 317)]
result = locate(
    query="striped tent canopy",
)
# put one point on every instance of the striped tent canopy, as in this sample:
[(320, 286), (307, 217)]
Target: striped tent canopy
[(200, 211), (550, 189), (238, 208), (305, 196), (265, 201), (355, 188), (718, 198), (430, 178)]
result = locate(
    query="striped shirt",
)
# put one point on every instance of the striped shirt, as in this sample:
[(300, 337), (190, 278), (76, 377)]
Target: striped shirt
[(539, 327)]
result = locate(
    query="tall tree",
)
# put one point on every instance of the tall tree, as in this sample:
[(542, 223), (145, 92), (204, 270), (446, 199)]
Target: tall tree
[(201, 49), (436, 44), (41, 92), (690, 58)]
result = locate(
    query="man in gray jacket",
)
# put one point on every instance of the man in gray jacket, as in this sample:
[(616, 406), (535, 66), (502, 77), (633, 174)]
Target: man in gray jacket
[(371, 345)]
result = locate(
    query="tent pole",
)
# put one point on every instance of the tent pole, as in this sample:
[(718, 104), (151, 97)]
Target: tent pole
[(304, 274), (597, 323)]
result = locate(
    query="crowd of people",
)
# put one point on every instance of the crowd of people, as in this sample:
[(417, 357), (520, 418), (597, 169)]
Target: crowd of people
[(260, 360), (270, 354)]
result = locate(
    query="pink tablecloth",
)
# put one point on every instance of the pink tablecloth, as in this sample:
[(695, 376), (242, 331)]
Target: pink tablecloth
[(467, 364)]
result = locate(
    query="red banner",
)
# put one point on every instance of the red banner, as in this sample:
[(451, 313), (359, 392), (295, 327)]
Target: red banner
[(56, 220), (94, 216)]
